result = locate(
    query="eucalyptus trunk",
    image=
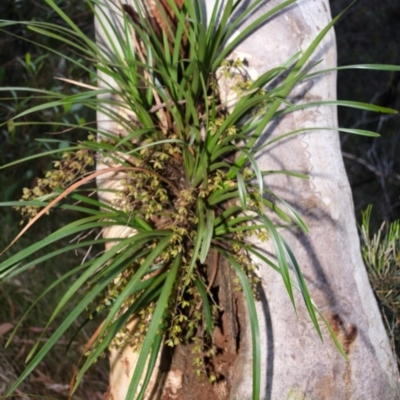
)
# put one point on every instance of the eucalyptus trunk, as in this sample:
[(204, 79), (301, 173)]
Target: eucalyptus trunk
[(295, 362)]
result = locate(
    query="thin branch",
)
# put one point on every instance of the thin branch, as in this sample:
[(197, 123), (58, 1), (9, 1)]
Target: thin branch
[(392, 177)]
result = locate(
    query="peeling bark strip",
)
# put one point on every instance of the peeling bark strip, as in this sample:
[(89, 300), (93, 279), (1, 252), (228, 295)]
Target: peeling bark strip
[(294, 359)]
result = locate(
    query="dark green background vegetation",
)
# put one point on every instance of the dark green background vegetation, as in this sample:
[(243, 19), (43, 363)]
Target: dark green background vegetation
[(24, 63), (367, 34)]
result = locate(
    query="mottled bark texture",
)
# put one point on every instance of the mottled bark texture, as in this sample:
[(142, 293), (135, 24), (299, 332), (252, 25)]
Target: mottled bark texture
[(294, 360)]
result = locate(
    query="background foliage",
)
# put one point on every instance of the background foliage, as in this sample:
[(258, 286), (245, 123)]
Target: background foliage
[(25, 64), (381, 253), (367, 34)]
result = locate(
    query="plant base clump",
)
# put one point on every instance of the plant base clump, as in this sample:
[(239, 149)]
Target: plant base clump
[(155, 191)]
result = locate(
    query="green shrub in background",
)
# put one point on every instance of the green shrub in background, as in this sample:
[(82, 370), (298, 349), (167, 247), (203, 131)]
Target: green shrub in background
[(26, 61), (381, 253)]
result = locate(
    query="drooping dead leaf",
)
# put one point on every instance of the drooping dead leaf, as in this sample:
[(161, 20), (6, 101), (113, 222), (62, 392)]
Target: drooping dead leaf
[(78, 184), (5, 327)]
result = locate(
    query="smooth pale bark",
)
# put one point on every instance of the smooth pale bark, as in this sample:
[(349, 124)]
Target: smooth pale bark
[(294, 360), (122, 359)]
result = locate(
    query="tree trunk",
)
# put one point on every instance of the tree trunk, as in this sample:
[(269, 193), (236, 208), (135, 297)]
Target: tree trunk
[(295, 360), (295, 363)]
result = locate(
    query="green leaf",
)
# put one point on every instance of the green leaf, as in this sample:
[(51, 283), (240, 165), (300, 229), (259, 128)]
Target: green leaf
[(303, 287), (68, 230), (256, 170), (130, 287), (206, 306), (65, 324), (150, 294), (208, 235), (344, 103), (374, 67), (241, 190), (155, 350), (43, 294), (248, 30), (153, 328), (334, 337), (293, 77), (253, 319), (44, 154), (280, 255), (198, 240)]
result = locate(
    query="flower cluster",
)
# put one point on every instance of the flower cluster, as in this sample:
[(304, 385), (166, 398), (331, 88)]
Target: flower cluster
[(66, 171)]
